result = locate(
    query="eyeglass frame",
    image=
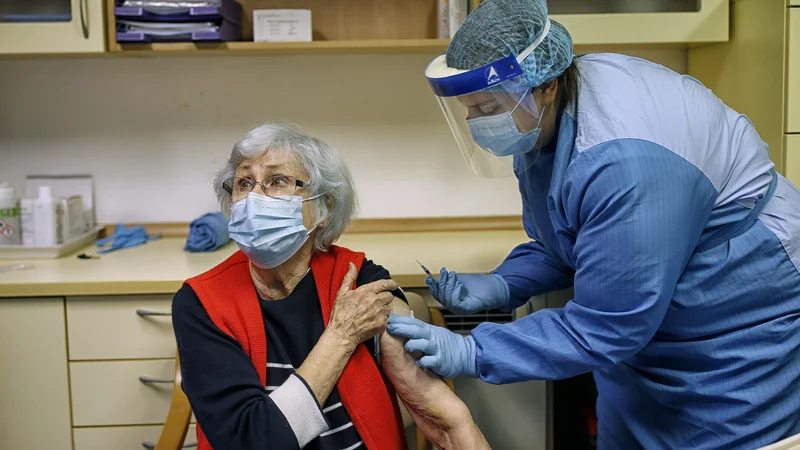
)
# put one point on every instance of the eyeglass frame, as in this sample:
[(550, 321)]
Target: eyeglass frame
[(229, 188)]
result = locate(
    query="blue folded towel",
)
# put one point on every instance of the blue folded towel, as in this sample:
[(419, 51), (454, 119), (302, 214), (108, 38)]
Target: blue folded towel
[(207, 233), (125, 238)]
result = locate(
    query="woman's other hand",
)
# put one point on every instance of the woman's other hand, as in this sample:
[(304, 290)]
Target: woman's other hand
[(359, 314)]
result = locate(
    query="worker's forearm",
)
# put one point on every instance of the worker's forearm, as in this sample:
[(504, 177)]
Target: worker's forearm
[(324, 365), (443, 418)]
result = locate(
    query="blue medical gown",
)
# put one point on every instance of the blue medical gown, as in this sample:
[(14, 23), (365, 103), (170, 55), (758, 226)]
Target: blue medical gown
[(691, 347)]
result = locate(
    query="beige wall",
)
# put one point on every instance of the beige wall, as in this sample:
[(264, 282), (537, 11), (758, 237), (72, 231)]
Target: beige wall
[(153, 131)]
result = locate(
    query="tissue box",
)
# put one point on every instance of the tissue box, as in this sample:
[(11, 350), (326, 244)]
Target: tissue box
[(282, 25)]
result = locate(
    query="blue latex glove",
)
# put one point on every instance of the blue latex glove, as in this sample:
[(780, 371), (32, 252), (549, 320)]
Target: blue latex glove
[(207, 233), (446, 353), (125, 238), (468, 293)]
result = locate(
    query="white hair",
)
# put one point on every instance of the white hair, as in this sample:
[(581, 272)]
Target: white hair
[(328, 175)]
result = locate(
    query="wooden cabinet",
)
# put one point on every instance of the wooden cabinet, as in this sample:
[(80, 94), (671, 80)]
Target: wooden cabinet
[(112, 393), (793, 158), (52, 26), (757, 72), (120, 327), (793, 73), (34, 391), (119, 438), (121, 362)]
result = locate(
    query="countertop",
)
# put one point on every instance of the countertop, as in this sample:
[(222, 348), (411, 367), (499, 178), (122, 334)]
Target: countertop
[(159, 267)]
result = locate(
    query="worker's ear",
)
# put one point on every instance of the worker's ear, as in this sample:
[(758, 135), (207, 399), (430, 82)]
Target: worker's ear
[(549, 91)]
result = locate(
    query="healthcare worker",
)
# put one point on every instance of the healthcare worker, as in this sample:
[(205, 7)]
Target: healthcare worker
[(658, 204)]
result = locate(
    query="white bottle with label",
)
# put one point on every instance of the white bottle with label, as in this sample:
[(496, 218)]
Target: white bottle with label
[(10, 226), (47, 218), (26, 214)]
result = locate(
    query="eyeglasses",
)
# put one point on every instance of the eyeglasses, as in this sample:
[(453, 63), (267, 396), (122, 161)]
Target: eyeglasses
[(274, 186)]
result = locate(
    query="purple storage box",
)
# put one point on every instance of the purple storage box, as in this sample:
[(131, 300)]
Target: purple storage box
[(229, 10), (228, 31)]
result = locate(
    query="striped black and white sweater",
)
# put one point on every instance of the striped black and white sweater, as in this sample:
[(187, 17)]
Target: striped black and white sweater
[(232, 406)]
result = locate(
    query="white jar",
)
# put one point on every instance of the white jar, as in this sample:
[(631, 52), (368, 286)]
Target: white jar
[(47, 218)]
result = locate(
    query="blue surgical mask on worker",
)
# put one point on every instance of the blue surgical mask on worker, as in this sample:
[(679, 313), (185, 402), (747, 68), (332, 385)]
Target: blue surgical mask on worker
[(269, 230), (499, 135)]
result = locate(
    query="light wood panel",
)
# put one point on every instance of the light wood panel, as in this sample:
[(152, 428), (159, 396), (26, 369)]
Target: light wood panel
[(334, 20), (110, 393), (747, 73), (34, 389), (58, 37), (121, 438), (407, 225), (109, 328), (793, 158), (793, 73), (368, 46)]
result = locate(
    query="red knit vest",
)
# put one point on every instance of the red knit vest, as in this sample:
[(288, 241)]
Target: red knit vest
[(229, 297)]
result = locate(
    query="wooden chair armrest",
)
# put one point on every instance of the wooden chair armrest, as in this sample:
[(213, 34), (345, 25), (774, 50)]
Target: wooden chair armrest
[(180, 414)]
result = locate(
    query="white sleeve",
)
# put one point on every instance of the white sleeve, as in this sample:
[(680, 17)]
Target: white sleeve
[(301, 409)]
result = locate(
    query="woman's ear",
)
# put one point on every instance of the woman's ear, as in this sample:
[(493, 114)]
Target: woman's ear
[(329, 202), (549, 92)]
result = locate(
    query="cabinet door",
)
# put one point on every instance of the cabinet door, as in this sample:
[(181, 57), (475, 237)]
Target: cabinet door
[(51, 26), (793, 158), (120, 327), (34, 391), (793, 73)]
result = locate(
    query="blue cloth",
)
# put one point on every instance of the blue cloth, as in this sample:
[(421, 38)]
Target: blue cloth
[(124, 237), (446, 353), (207, 233), (468, 293), (689, 348)]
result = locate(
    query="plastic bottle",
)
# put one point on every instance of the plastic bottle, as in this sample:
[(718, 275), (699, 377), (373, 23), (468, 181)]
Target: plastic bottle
[(10, 226), (47, 218), (28, 230)]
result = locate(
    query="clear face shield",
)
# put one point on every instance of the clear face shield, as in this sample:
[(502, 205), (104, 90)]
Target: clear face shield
[(491, 111)]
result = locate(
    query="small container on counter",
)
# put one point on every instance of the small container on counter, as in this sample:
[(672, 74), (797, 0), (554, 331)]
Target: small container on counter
[(26, 216), (48, 218), (10, 224)]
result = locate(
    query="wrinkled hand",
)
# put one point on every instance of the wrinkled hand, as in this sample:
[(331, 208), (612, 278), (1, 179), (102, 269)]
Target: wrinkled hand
[(446, 353), (468, 293), (360, 314)]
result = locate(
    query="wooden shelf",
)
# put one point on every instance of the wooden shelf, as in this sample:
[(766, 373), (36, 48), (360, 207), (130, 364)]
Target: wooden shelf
[(388, 46)]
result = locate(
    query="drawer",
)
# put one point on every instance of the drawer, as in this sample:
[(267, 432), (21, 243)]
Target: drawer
[(793, 158), (794, 2), (121, 438), (108, 393), (793, 74), (109, 327)]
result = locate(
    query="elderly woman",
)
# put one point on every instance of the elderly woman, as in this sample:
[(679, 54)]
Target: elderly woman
[(276, 343)]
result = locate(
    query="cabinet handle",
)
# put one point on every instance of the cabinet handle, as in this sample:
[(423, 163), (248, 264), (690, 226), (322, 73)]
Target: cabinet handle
[(145, 313), (148, 380), (151, 446), (84, 18)]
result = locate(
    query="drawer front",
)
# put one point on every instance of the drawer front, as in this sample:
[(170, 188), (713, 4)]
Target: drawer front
[(110, 393), (793, 159), (793, 74), (109, 327), (121, 438)]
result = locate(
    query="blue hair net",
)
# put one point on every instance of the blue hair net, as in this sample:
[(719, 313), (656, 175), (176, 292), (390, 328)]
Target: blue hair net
[(499, 28)]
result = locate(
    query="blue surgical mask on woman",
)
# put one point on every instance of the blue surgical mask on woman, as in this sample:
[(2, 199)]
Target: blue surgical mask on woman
[(499, 135), (269, 230)]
